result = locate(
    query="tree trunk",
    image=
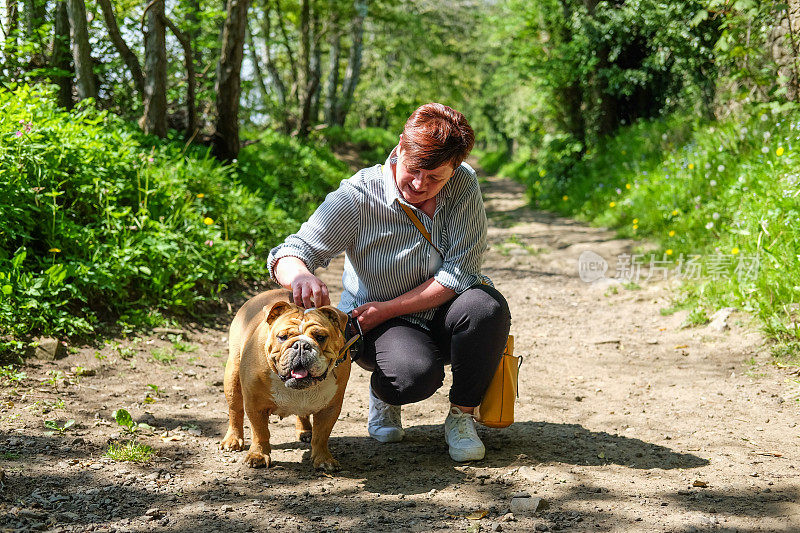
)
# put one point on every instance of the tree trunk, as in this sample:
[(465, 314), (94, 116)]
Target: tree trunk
[(188, 59), (353, 63), (35, 12), (228, 87), (571, 96), (10, 42), (154, 120), (316, 69), (81, 51), (60, 57), (309, 77), (331, 92), (125, 52), (194, 30), (294, 89), (251, 46), (275, 76)]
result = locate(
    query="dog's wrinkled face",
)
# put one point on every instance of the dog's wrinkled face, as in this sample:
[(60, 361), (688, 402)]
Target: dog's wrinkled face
[(303, 344)]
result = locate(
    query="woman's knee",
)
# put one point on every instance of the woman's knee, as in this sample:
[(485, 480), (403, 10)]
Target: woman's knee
[(415, 381), (482, 305)]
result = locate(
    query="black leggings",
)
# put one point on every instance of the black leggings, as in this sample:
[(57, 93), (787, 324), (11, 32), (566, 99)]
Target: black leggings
[(469, 332)]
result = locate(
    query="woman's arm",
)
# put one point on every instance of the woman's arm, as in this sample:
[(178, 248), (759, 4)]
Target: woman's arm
[(325, 234), (429, 295)]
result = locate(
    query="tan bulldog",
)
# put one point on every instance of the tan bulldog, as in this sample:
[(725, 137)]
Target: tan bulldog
[(284, 360)]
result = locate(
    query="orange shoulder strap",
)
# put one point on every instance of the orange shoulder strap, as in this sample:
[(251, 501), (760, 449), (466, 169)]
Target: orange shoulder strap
[(418, 223)]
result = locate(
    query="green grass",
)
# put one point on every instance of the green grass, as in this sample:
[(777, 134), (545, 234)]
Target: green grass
[(9, 456), (12, 374), (163, 356), (720, 200), (131, 451)]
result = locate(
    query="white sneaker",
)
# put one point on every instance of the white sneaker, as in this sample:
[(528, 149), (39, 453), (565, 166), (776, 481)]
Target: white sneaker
[(384, 420), (460, 434)]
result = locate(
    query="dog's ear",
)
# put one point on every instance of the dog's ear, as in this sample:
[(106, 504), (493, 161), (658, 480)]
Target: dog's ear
[(277, 309), (334, 315)]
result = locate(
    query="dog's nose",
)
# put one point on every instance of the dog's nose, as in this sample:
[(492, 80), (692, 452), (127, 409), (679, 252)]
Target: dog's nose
[(301, 346)]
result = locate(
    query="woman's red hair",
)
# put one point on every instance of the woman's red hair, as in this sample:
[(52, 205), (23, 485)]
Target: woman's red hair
[(434, 135)]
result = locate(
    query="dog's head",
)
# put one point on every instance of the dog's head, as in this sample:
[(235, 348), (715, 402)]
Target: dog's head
[(303, 344)]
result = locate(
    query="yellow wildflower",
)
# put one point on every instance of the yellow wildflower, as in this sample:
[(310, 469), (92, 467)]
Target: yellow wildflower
[(635, 220), (612, 204), (54, 250), (735, 250), (674, 212), (636, 226), (208, 221), (779, 151), (565, 197), (627, 185), (542, 173), (669, 251), (201, 195), (672, 233), (691, 166)]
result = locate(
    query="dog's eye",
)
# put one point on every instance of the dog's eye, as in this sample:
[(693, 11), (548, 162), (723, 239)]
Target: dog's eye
[(320, 338), (282, 338)]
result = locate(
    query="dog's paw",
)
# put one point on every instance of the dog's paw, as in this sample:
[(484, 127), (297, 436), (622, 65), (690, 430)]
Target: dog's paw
[(304, 435), (232, 443), (257, 460), (326, 464)]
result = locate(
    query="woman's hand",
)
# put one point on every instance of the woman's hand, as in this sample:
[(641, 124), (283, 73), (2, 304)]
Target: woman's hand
[(372, 314), (309, 291)]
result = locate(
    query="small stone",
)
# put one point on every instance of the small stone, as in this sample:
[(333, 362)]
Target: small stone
[(47, 349), (497, 527), (521, 494), (153, 513), (719, 320), (96, 466), (699, 483), (542, 527), (508, 517), (226, 508), (528, 505)]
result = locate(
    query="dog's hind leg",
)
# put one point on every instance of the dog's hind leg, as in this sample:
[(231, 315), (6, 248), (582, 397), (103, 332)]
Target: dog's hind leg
[(302, 428), (234, 437)]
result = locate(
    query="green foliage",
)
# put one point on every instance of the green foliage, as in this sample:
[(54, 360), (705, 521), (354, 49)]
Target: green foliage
[(54, 426), (163, 356), (373, 145), (104, 224), (12, 374), (125, 420), (130, 451), (723, 194)]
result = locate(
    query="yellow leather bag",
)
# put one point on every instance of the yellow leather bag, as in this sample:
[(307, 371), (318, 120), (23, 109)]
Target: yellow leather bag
[(497, 408)]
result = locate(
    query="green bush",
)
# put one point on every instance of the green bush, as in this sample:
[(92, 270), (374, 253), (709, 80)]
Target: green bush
[(726, 191), (372, 144), (104, 224)]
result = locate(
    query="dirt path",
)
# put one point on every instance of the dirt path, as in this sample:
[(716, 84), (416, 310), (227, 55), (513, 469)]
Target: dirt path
[(625, 423)]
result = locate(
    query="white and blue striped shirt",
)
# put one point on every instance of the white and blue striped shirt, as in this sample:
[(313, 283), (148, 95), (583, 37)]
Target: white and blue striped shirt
[(385, 254)]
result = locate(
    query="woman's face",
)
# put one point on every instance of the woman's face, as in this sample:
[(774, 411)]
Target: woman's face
[(419, 186)]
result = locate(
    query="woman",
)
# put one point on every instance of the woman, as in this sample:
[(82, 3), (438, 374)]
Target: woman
[(420, 305)]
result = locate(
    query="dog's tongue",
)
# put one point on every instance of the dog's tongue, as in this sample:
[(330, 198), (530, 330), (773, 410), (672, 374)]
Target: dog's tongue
[(300, 373)]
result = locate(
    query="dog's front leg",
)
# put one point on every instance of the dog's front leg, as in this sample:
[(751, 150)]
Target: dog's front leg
[(323, 422), (258, 455)]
